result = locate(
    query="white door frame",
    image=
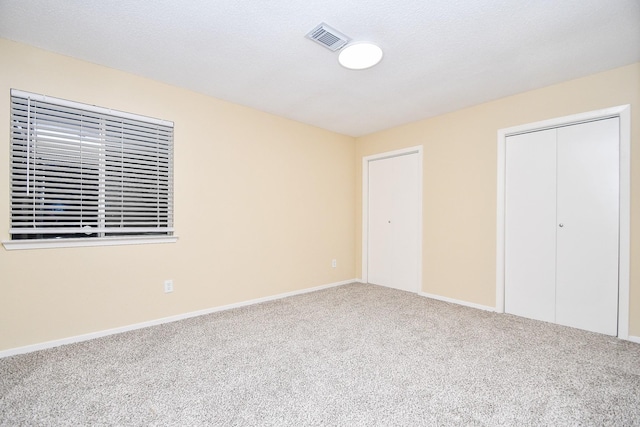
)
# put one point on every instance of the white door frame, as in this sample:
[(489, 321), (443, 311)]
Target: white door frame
[(624, 113), (365, 207)]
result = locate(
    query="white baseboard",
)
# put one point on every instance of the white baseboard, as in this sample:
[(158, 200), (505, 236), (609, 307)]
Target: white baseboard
[(488, 308), (633, 339), (456, 301), (98, 334)]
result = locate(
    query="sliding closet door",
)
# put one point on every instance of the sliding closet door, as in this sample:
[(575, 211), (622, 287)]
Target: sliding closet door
[(562, 225), (380, 247), (530, 234), (394, 222), (588, 215)]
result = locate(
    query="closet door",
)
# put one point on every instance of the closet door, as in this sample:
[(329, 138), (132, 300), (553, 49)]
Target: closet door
[(393, 222), (562, 225), (380, 238), (587, 229), (530, 232)]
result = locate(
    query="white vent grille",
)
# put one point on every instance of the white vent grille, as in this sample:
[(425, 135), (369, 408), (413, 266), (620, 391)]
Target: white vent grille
[(328, 37)]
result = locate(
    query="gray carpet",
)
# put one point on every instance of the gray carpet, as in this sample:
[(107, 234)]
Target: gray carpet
[(354, 355)]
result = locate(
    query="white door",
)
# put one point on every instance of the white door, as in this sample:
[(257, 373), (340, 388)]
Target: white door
[(588, 210), (530, 238), (393, 222), (561, 227)]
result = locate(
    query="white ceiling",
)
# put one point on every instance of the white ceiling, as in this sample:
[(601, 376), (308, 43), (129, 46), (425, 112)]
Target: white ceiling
[(440, 55)]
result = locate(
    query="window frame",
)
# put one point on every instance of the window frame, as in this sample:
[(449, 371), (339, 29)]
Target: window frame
[(163, 232)]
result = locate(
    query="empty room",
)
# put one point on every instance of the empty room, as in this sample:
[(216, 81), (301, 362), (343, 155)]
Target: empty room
[(319, 213)]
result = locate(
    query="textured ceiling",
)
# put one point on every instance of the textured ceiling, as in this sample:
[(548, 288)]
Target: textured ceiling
[(440, 55)]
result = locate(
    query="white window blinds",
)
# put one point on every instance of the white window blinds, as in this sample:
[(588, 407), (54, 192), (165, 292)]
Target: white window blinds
[(83, 171)]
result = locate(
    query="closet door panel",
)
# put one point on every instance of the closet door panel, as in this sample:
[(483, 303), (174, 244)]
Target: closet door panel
[(587, 243), (406, 226), (530, 231), (381, 194)]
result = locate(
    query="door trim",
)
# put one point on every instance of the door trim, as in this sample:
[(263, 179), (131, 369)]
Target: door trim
[(365, 207), (624, 113)]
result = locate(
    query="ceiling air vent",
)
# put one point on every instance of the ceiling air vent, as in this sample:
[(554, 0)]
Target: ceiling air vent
[(328, 37)]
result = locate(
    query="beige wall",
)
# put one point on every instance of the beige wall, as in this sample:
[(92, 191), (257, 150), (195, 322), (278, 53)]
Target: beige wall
[(262, 206), (460, 183)]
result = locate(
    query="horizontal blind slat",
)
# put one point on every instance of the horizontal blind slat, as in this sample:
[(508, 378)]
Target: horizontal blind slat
[(58, 230)]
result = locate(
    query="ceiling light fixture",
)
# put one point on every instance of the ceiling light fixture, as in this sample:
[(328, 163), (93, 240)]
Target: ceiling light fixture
[(360, 56)]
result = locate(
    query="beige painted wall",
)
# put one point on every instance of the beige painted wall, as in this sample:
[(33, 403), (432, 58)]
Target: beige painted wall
[(262, 206), (460, 183)]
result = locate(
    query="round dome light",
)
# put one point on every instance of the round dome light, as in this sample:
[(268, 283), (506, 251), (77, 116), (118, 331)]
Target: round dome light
[(360, 56)]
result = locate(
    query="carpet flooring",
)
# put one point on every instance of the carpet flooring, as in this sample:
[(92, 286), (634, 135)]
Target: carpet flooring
[(353, 355)]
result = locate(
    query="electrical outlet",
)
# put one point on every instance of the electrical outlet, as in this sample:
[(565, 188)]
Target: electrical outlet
[(168, 286), (334, 263)]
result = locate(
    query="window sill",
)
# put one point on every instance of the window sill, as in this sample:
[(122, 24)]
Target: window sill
[(83, 242)]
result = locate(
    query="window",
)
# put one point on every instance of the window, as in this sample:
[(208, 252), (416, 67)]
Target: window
[(80, 171)]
